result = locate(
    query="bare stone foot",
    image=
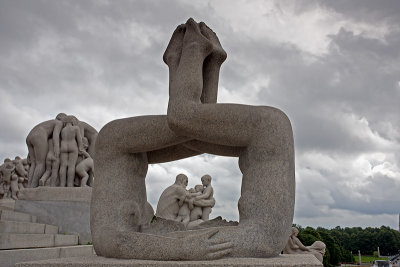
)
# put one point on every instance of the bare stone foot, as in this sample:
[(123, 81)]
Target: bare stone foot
[(194, 38), (218, 54), (173, 52), (41, 182)]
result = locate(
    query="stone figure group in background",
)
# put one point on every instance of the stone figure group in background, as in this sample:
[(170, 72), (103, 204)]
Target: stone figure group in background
[(190, 207), (294, 246), (13, 177), (55, 149)]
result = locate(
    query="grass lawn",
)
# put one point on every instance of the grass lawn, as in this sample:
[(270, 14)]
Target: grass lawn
[(369, 258)]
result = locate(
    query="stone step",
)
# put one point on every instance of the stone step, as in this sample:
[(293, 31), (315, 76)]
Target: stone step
[(8, 258), (8, 215), (7, 204), (27, 228), (15, 241)]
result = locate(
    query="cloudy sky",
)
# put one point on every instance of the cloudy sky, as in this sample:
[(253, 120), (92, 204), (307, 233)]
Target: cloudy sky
[(332, 66)]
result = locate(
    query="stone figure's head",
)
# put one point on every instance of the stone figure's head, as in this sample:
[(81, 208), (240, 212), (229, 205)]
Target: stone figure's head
[(7, 160), (182, 180), (295, 231), (61, 116), (319, 246), (192, 190), (199, 188), (70, 119), (206, 180), (74, 120), (17, 158)]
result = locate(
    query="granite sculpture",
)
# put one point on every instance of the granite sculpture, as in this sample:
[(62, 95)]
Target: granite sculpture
[(260, 136), (13, 177), (189, 207), (294, 246), (56, 149)]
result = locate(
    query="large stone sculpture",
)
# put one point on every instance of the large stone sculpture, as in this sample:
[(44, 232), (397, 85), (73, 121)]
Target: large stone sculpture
[(54, 147), (294, 246), (260, 136)]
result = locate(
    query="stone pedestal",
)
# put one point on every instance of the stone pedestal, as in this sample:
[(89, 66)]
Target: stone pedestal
[(66, 207), (299, 260)]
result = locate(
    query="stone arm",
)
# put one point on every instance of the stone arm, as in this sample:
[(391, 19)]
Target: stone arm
[(56, 138), (79, 139), (299, 245), (85, 154), (184, 195), (206, 194), (90, 133)]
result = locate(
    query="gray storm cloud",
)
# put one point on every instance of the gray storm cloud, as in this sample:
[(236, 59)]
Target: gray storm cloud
[(333, 67)]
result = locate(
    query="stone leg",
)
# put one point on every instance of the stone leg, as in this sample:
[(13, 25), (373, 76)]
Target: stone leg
[(54, 172), (267, 162), (38, 148), (72, 157), (63, 168)]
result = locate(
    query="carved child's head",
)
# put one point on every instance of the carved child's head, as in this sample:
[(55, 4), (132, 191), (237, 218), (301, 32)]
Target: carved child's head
[(206, 180), (199, 188)]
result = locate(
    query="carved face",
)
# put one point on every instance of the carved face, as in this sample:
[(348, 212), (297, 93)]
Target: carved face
[(206, 180)]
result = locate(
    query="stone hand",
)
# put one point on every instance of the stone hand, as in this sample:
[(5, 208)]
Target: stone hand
[(205, 246)]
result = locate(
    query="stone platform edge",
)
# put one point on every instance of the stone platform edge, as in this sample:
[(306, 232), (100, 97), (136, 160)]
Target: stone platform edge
[(298, 260), (46, 193)]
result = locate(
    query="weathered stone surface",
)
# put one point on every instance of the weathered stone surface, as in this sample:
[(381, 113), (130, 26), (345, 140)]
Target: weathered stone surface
[(9, 258), (7, 204), (260, 136), (22, 227), (13, 241), (43, 193), (280, 261), (9, 215), (72, 217)]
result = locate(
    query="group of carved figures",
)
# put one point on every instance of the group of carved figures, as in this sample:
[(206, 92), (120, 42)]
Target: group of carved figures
[(60, 152), (13, 177), (190, 207), (294, 246)]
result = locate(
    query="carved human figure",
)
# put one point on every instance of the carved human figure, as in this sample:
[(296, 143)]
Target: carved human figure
[(260, 136), (85, 168), (172, 198), (71, 144), (294, 246), (14, 186), (6, 172), (52, 165), (184, 214), (206, 200), (37, 142), (19, 167)]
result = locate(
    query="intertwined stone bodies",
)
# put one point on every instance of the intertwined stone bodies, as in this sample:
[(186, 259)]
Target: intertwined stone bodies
[(261, 137)]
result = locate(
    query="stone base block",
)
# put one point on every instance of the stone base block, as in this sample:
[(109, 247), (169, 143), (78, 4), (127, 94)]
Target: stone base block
[(8, 215), (66, 207), (8, 258), (14, 241), (27, 228), (7, 204), (299, 260)]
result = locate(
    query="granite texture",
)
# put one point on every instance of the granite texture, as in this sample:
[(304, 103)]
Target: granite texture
[(260, 136), (280, 261), (44, 193), (72, 217)]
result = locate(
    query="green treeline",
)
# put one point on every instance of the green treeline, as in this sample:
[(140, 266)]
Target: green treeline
[(342, 242)]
